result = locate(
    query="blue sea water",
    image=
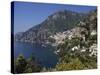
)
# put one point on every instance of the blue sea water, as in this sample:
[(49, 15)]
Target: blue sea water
[(44, 55)]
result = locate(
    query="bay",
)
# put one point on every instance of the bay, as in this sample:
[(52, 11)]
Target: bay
[(44, 54)]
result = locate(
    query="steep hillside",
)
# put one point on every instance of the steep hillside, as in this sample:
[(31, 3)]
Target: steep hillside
[(78, 49), (57, 22)]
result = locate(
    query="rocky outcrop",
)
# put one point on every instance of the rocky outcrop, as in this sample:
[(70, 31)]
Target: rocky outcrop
[(57, 22)]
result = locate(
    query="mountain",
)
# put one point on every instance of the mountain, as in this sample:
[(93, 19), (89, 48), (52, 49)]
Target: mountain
[(73, 35), (58, 22), (87, 26), (82, 38), (77, 47)]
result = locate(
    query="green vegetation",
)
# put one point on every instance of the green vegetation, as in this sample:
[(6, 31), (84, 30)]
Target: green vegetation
[(51, 40), (77, 60), (74, 64), (64, 20), (69, 59), (26, 66)]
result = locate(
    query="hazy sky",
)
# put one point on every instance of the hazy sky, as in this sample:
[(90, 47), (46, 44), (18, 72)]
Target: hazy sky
[(27, 14)]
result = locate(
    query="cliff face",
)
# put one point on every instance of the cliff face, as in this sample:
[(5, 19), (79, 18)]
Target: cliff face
[(82, 38), (80, 31), (57, 22), (73, 35), (84, 29)]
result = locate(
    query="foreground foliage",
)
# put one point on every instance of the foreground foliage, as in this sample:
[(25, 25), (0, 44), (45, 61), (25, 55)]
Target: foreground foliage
[(77, 53), (26, 66)]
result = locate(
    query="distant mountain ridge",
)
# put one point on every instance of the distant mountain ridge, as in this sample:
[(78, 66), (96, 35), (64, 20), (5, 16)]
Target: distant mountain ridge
[(58, 22)]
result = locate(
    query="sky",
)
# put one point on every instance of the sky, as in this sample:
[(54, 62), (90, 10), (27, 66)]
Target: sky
[(29, 14)]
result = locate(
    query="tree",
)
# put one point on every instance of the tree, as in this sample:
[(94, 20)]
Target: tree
[(23, 65), (32, 65), (20, 64)]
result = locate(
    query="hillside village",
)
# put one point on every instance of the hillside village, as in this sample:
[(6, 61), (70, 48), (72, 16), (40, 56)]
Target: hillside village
[(75, 41)]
